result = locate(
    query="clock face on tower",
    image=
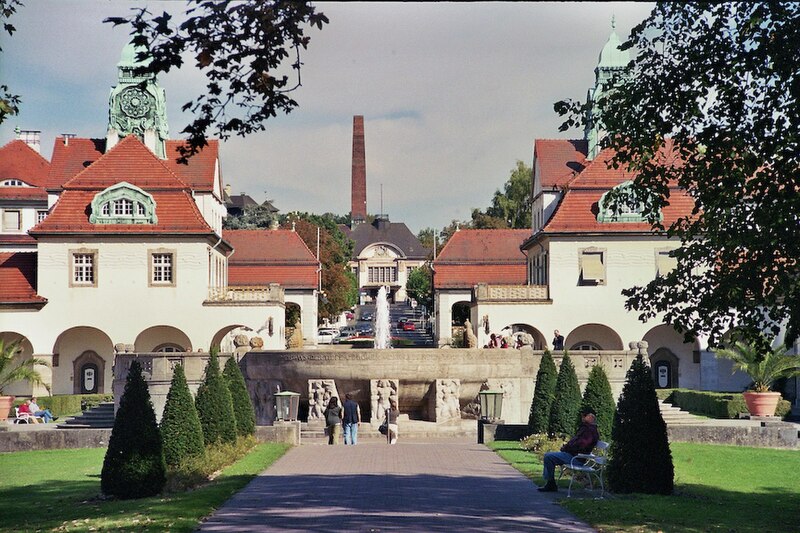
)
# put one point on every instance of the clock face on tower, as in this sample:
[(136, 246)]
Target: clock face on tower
[(134, 102)]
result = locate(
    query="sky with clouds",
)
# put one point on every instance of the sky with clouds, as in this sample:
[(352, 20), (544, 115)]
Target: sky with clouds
[(452, 94)]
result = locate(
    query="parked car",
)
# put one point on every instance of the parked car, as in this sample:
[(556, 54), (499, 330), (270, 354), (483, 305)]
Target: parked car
[(367, 317), (348, 331), (327, 336), (409, 326), (364, 329)]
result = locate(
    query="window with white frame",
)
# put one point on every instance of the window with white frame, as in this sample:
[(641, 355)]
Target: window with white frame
[(12, 220), (162, 268), (592, 266), (382, 274), (123, 203), (585, 345), (664, 263), (13, 183), (40, 215), (83, 268)]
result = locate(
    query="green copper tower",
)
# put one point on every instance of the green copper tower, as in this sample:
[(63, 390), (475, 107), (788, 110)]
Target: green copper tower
[(137, 106), (612, 62)]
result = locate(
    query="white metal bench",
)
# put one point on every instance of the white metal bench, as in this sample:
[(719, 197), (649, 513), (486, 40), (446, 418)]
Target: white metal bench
[(26, 418), (591, 465)]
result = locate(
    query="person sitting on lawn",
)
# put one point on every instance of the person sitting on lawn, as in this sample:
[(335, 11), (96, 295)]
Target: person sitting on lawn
[(584, 441), (46, 415)]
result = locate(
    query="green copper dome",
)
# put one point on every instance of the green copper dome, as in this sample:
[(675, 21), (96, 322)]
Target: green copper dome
[(128, 56), (611, 56)]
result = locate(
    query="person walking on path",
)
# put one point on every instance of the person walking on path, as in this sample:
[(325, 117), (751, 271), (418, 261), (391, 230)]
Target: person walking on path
[(584, 441), (351, 420), (333, 420)]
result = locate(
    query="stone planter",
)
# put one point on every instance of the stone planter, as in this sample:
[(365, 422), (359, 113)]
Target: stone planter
[(761, 403), (6, 402)]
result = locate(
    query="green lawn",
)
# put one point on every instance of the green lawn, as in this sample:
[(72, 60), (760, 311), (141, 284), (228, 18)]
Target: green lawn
[(60, 490), (717, 488)]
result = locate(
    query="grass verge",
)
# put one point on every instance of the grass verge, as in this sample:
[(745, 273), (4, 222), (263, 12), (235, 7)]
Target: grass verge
[(717, 488), (59, 490)]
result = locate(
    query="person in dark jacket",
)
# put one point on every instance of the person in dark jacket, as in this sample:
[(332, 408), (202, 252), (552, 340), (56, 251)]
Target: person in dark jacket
[(584, 441), (351, 420), (333, 420)]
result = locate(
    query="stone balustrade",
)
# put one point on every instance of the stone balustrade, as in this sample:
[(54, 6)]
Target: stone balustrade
[(245, 294), (511, 293)]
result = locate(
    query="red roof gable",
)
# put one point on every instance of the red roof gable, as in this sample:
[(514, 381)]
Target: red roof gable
[(23, 193), (18, 278), (18, 160), (577, 211), (489, 256), (559, 160), (200, 170), (270, 256), (132, 162), (71, 156)]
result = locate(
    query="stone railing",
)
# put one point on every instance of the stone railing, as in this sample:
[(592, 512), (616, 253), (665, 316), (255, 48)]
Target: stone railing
[(511, 293), (245, 294)]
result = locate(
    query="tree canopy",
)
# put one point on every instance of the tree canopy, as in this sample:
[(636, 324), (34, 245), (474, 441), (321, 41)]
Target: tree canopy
[(715, 88), (9, 102), (248, 50)]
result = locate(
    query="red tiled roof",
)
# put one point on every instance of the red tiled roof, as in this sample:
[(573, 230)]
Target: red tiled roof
[(482, 256), (577, 211), (484, 245), (467, 276), (270, 256), (132, 162), (16, 238), (23, 193), (200, 169), (71, 157), (20, 161), (18, 278), (559, 160)]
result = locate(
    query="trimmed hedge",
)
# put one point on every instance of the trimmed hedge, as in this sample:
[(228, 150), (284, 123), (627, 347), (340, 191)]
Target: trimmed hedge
[(242, 404), (714, 404)]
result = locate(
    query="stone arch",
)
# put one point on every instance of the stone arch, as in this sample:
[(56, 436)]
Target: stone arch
[(459, 312), (74, 343), (598, 335), (27, 351), (539, 340), (89, 370), (223, 338), (674, 360), (155, 336), (294, 313)]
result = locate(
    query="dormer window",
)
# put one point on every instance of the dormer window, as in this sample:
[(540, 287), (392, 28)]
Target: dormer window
[(13, 183), (629, 208), (123, 203)]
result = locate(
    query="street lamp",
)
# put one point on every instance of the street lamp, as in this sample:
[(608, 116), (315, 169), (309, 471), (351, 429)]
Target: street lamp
[(491, 404), (286, 405)]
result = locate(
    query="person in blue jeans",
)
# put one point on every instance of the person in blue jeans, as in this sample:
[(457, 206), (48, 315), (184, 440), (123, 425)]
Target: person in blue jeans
[(584, 441), (46, 415), (351, 420)]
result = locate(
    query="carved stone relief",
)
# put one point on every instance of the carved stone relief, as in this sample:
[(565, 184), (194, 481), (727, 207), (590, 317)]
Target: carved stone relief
[(382, 391)]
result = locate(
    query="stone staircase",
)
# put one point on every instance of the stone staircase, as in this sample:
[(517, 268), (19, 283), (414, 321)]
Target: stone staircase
[(99, 417), (674, 416)]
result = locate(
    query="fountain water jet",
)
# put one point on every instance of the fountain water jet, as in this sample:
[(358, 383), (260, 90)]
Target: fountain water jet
[(383, 328)]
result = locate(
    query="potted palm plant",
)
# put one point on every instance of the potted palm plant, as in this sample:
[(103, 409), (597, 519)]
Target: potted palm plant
[(764, 367), (13, 369)]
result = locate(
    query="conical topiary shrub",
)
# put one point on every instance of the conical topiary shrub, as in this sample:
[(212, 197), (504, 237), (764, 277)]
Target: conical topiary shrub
[(539, 418), (242, 405), (214, 405), (641, 460), (567, 400), (181, 432), (134, 463), (598, 397)]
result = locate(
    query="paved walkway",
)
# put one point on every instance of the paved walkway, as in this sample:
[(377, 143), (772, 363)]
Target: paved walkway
[(412, 486)]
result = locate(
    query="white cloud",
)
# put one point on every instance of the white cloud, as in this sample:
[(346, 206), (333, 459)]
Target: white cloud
[(452, 94)]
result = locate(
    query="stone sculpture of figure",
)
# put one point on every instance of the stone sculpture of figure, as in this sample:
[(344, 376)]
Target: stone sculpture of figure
[(382, 392), (296, 340), (320, 391), (447, 407), (470, 340)]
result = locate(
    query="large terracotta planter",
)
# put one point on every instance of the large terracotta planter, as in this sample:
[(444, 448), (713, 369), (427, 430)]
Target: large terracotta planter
[(762, 403), (6, 402)]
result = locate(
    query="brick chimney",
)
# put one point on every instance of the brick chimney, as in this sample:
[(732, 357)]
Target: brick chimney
[(358, 208)]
